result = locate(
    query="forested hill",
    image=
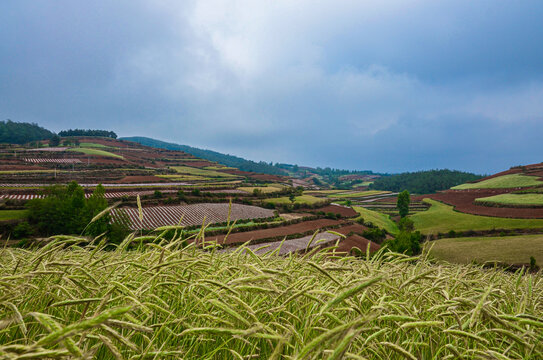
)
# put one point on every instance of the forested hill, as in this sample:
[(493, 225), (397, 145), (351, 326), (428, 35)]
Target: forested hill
[(423, 182), (21, 132), (228, 160)]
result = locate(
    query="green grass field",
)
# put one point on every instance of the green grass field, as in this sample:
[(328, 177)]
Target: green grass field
[(263, 189), (508, 249), (201, 172), (358, 194), (92, 145), (513, 199), (91, 151), (64, 301), (302, 200), (380, 220), (503, 182), (441, 218), (12, 214)]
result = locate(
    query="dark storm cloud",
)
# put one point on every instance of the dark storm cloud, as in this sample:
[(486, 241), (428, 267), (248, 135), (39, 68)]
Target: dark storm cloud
[(388, 86)]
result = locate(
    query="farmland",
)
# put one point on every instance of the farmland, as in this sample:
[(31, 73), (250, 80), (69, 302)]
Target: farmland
[(303, 200), (113, 304), (502, 182), (506, 249), (378, 219), (92, 151), (441, 218), (188, 215), (521, 200)]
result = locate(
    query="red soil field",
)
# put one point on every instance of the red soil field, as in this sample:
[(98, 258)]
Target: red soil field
[(346, 245), (341, 210), (19, 167), (197, 164), (299, 228), (263, 177), (462, 200), (140, 179), (354, 228)]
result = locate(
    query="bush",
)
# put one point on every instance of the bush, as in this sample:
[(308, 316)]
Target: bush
[(452, 234), (406, 224), (22, 230), (157, 194), (376, 235), (406, 243), (195, 192)]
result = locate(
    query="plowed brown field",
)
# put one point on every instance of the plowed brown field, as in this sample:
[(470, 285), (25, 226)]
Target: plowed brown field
[(341, 210), (462, 200), (299, 228)]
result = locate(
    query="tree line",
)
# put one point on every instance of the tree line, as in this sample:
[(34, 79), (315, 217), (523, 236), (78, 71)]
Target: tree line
[(20, 132), (88, 132), (423, 182)]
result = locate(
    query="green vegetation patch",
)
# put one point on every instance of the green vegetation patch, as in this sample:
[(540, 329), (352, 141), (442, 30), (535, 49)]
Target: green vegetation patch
[(92, 145), (503, 182), (359, 194), (303, 199), (13, 214), (91, 151), (525, 200), (441, 218), (378, 219), (263, 189), (183, 177), (201, 172), (509, 249)]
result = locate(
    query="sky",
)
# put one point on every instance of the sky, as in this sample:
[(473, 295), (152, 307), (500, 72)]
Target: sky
[(388, 86)]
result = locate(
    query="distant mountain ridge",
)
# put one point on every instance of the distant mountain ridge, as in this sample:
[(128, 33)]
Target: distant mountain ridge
[(224, 159)]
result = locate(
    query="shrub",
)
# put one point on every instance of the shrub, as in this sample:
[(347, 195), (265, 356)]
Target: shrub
[(452, 234), (406, 224), (376, 235), (405, 242), (195, 192), (157, 194), (22, 230)]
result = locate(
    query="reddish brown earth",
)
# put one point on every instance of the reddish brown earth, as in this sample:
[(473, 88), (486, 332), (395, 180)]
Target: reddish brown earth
[(357, 241), (341, 210), (197, 164), (462, 200), (354, 228), (19, 167), (140, 179), (263, 177), (299, 228)]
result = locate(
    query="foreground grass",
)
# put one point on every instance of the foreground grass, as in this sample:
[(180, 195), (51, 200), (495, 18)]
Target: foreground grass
[(93, 151), (441, 218), (513, 199), (12, 214), (507, 249), (380, 220), (161, 302), (503, 182)]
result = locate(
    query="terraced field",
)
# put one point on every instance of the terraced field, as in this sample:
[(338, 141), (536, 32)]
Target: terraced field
[(441, 218), (93, 151), (503, 182), (202, 172), (302, 200), (187, 215), (378, 219), (520, 200)]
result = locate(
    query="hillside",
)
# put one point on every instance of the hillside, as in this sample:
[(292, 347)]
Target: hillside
[(21, 132), (224, 159)]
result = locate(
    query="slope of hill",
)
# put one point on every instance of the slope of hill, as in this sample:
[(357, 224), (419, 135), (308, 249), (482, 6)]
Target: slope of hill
[(224, 159)]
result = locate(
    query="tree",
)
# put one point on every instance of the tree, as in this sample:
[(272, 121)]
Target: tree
[(292, 198), (54, 141), (403, 203), (406, 243)]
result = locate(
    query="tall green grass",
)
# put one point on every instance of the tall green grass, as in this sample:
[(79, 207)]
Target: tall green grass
[(164, 300)]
